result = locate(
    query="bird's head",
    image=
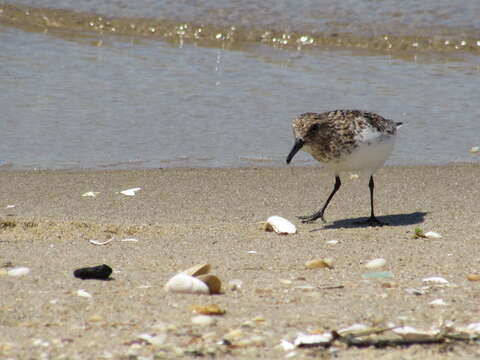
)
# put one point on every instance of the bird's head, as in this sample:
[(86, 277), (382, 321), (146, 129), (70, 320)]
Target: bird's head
[(306, 128)]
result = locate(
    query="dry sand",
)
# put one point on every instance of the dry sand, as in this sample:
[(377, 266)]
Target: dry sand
[(182, 217)]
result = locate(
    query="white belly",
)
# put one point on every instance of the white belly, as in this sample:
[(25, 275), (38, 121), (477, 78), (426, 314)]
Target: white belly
[(371, 153)]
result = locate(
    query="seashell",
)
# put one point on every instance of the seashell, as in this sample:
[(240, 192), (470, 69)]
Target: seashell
[(214, 284), (287, 345), (129, 240), (375, 263), (100, 272), (155, 340), (83, 293), (10, 206), (474, 327), (332, 242), (186, 284), (410, 333), (474, 149), (432, 235), (436, 280), (280, 225), (211, 309), (203, 320), (473, 277), (352, 330), (91, 194), (199, 269), (96, 242), (19, 271), (319, 263), (312, 340), (438, 302), (130, 192)]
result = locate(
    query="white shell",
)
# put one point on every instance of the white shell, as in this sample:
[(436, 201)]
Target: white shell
[(186, 284), (352, 329), (96, 242), (332, 242), (130, 192), (91, 193), (474, 149), (317, 339), (287, 345), (281, 225), (438, 302), (375, 263), (408, 332), (129, 240), (19, 271), (83, 293), (435, 279), (432, 235), (156, 340)]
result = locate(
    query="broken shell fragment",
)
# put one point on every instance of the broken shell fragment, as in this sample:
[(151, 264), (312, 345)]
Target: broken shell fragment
[(96, 242), (199, 269), (432, 235), (91, 194), (437, 302), (280, 225), (19, 271), (211, 309), (214, 284), (319, 263), (100, 272), (83, 293), (410, 333), (305, 340), (375, 263), (186, 284), (130, 192), (435, 279)]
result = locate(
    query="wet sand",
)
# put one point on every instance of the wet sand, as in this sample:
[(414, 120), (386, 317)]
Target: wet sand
[(182, 217)]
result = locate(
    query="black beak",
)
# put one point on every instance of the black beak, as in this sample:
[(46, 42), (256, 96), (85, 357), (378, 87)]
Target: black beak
[(297, 146)]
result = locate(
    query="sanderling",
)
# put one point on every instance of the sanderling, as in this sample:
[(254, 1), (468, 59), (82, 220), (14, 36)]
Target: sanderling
[(345, 140)]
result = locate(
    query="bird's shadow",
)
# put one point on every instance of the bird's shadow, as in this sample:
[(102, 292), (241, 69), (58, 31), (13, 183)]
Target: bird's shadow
[(389, 220)]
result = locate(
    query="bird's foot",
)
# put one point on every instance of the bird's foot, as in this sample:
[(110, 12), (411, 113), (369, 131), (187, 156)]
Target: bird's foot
[(372, 221), (308, 219)]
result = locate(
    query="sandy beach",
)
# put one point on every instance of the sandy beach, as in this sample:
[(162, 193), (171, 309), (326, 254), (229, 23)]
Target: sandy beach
[(183, 217)]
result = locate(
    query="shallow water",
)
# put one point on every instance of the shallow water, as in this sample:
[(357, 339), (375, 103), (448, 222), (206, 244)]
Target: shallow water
[(73, 98)]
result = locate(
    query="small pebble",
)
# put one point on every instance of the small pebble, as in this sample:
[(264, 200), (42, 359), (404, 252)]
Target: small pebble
[(203, 320), (473, 277), (319, 263)]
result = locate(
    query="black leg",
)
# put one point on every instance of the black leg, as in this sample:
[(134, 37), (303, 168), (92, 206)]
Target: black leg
[(372, 221), (319, 214)]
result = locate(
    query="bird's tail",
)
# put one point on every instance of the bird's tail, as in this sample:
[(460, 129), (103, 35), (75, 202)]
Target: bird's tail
[(399, 124)]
